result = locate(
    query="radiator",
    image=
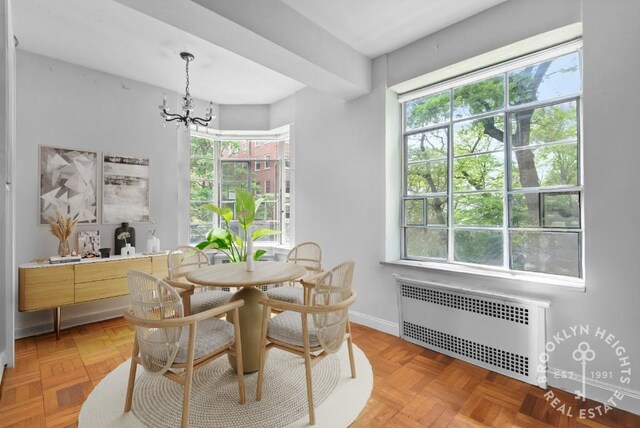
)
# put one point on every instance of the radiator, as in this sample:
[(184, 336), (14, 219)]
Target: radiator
[(502, 333)]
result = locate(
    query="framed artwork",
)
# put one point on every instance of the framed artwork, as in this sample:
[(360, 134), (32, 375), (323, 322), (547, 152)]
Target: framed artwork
[(68, 184), (125, 189), (89, 243)]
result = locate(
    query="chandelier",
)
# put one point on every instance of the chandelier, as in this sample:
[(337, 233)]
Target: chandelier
[(187, 105)]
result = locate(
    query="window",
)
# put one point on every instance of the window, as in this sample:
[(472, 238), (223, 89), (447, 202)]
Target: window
[(225, 165), (267, 163), (492, 170), (202, 184), (287, 163), (287, 187)]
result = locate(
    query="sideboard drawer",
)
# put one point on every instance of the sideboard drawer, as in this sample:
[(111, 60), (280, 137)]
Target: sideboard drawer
[(95, 290), (159, 267), (112, 269), (43, 288)]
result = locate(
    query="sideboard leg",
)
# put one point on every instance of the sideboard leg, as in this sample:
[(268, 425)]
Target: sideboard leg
[(56, 321)]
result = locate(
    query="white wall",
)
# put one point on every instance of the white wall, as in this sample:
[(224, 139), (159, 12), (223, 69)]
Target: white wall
[(244, 117), (341, 162), (282, 112), (64, 105)]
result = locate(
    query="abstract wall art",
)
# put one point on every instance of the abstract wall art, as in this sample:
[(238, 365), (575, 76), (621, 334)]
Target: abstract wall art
[(68, 180), (125, 189)]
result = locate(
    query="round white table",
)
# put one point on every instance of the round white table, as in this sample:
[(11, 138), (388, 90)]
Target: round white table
[(236, 275)]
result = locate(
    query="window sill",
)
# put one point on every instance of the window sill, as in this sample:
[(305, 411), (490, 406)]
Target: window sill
[(532, 278)]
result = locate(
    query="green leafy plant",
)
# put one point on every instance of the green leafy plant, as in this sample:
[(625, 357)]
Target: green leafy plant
[(225, 239)]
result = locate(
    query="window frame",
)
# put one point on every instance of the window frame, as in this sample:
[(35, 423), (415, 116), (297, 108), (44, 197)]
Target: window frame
[(507, 154)]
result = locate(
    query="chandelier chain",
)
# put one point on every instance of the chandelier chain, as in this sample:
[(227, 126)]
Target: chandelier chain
[(187, 68)]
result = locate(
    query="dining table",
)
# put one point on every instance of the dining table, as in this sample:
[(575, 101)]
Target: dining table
[(231, 275)]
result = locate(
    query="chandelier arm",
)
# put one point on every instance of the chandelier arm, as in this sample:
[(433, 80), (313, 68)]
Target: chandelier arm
[(175, 117), (200, 121)]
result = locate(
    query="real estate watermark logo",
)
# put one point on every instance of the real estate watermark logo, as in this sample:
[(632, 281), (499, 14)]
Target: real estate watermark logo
[(589, 348)]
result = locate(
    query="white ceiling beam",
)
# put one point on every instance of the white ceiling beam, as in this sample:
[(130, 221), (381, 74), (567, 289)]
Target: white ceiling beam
[(272, 34)]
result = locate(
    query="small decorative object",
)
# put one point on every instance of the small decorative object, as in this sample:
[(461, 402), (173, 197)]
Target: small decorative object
[(128, 250), (89, 243), (225, 239), (105, 252), (62, 228), (130, 237), (187, 105), (153, 243)]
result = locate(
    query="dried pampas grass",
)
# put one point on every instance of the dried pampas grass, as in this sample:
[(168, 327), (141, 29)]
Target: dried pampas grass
[(62, 226)]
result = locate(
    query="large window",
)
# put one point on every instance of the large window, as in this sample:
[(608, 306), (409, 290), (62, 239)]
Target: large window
[(220, 166), (492, 170)]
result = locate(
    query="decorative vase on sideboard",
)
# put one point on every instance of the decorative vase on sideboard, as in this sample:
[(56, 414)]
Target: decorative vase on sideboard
[(130, 240)]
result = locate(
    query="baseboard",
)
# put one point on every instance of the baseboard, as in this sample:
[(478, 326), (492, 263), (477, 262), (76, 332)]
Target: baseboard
[(596, 389), (37, 329), (375, 323)]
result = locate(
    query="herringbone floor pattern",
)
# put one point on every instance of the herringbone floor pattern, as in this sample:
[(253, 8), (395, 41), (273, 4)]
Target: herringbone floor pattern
[(413, 387)]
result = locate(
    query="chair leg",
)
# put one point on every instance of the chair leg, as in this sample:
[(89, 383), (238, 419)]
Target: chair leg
[(307, 367), (263, 351), (132, 376), (350, 347), (188, 377), (238, 344)]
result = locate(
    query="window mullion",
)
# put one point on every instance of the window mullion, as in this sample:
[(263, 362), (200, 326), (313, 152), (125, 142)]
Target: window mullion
[(217, 176), (450, 152), (506, 209)]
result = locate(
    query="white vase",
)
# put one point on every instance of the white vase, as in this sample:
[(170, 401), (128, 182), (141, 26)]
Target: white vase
[(128, 250), (249, 252), (150, 244), (156, 244)]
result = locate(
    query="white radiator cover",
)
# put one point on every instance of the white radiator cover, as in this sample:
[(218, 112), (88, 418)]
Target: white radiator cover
[(502, 333)]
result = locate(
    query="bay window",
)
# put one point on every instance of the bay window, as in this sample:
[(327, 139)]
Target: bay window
[(220, 165)]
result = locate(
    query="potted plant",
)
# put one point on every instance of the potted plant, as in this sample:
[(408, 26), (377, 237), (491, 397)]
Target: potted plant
[(225, 239)]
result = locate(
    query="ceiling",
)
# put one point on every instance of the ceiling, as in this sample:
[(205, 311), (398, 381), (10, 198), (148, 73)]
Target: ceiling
[(109, 36), (376, 27)]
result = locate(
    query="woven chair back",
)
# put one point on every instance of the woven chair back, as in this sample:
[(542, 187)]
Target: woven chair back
[(307, 255), (154, 299), (185, 259), (332, 288)]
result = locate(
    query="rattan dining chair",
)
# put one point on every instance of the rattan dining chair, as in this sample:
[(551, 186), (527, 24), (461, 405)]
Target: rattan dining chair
[(172, 345), (312, 331), (307, 255), (183, 260)]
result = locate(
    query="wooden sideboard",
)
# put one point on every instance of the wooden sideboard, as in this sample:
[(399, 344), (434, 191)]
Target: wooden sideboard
[(47, 286)]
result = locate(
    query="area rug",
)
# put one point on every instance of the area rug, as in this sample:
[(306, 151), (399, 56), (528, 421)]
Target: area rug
[(214, 401)]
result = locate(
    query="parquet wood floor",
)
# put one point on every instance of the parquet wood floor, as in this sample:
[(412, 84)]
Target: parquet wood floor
[(413, 386)]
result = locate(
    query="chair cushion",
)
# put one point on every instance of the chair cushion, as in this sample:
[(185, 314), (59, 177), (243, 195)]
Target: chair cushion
[(204, 300), (211, 334), (287, 327), (286, 294)]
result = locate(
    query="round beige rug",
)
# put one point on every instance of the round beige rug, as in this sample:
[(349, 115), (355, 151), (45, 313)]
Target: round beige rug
[(214, 401)]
